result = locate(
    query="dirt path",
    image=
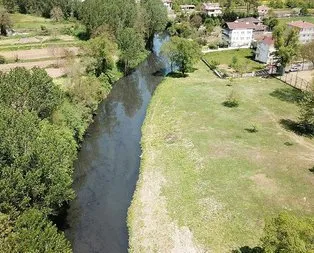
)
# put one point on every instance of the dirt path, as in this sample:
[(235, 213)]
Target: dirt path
[(55, 68), (37, 39), (33, 54)]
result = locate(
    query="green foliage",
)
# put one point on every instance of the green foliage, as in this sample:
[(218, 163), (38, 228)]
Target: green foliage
[(32, 90), (182, 53), (41, 7), (2, 59), (271, 22), (30, 151), (232, 100), (286, 43), (32, 232), (307, 113), (5, 22), (101, 50), (307, 51), (155, 16), (132, 48), (289, 233)]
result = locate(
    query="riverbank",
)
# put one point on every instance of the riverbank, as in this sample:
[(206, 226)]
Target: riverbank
[(210, 175)]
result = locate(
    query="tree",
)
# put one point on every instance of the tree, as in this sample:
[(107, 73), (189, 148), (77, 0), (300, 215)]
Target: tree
[(286, 44), (32, 232), (307, 51), (56, 14), (36, 163), (288, 233), (132, 47), (5, 22), (251, 4), (183, 53), (101, 50), (31, 90), (156, 16)]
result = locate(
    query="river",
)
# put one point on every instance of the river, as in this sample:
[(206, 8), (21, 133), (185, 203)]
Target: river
[(108, 163)]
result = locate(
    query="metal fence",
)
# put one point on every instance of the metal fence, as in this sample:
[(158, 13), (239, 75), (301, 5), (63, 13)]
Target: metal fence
[(295, 81)]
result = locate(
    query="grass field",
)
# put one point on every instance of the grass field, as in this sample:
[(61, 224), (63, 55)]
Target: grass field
[(208, 181), (244, 57), (309, 19), (30, 22)]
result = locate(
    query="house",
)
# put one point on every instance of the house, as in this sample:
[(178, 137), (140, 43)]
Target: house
[(238, 34), (212, 9), (265, 50), (306, 30), (262, 10), (187, 8), (256, 24), (168, 4)]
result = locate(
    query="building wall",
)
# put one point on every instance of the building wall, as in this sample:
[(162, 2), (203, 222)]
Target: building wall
[(240, 38), (306, 35), (264, 52)]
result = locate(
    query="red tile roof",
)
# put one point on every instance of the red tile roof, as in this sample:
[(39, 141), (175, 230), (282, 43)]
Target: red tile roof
[(301, 24), (268, 40)]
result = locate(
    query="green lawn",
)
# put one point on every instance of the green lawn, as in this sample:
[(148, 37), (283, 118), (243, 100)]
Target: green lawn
[(30, 22), (207, 181), (288, 20), (244, 57)]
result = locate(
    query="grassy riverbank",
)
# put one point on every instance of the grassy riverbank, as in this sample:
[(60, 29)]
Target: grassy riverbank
[(210, 175)]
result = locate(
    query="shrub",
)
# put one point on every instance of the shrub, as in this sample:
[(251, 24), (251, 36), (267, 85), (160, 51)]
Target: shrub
[(2, 59), (232, 100), (212, 46)]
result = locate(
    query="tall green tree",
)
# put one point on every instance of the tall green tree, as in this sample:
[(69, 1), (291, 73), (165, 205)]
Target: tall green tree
[(5, 22), (31, 90), (183, 53), (101, 51), (286, 43), (132, 46)]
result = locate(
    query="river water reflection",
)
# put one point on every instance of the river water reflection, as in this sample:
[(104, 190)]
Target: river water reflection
[(108, 164)]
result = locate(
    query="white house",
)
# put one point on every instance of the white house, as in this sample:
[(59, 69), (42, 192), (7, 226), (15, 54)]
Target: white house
[(262, 10), (238, 34), (265, 50), (168, 4), (212, 9), (187, 8), (306, 31)]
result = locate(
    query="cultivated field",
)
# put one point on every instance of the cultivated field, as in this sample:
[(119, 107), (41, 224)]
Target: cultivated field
[(39, 42), (210, 174)]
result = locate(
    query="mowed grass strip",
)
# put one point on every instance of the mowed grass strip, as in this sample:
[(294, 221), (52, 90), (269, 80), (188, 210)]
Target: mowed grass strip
[(221, 180), (244, 57)]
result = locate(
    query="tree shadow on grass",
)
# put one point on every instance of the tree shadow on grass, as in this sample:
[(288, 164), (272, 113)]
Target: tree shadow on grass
[(312, 170), (288, 95), (297, 128), (247, 249), (177, 75)]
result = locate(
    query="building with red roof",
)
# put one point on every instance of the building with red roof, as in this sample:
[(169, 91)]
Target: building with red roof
[(306, 30)]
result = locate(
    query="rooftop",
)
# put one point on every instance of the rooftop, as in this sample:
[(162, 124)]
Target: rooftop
[(301, 24), (239, 25)]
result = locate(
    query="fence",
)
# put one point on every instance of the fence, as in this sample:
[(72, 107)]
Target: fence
[(295, 81)]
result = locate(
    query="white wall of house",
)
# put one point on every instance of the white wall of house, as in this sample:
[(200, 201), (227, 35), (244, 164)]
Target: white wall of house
[(264, 52), (214, 12), (240, 37), (306, 35)]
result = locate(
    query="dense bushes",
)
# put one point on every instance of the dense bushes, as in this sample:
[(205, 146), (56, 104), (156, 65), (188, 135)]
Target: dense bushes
[(39, 127)]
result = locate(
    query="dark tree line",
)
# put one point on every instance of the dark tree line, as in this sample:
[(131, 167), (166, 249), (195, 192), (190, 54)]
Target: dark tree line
[(41, 7)]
